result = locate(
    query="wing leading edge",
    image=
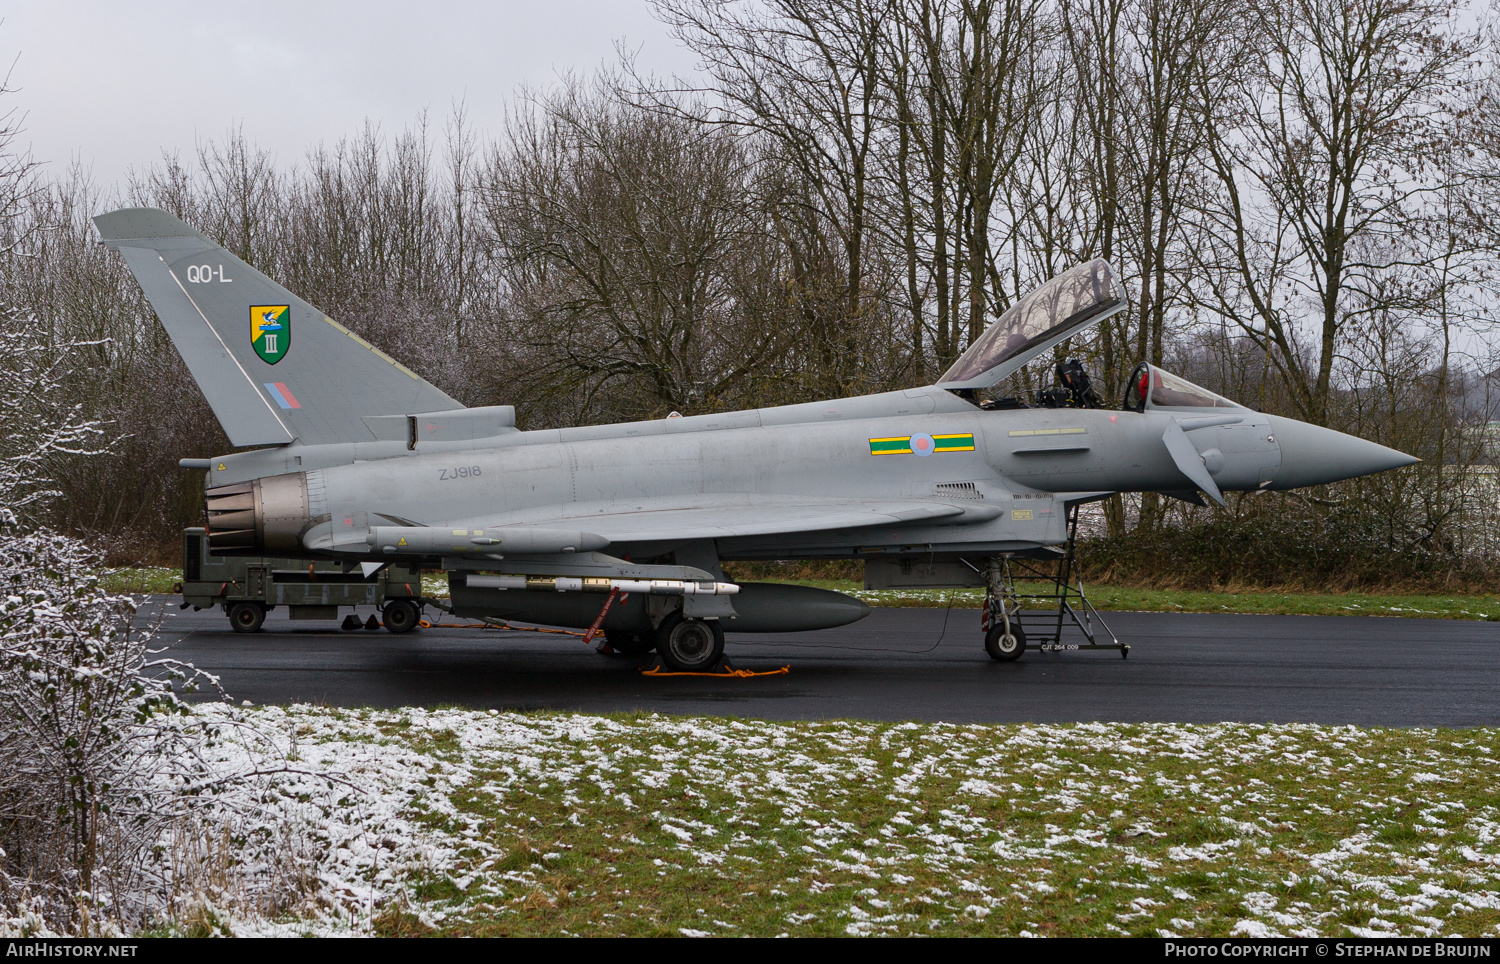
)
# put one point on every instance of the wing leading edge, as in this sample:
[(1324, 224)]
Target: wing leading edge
[(650, 520)]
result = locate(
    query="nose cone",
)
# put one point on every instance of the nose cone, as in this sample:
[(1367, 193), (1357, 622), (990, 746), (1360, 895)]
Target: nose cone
[(1313, 455)]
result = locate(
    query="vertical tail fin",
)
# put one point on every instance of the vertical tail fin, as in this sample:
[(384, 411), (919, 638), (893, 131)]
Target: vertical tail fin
[(272, 367)]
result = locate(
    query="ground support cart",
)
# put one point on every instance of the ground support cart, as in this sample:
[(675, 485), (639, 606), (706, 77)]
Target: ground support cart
[(248, 587)]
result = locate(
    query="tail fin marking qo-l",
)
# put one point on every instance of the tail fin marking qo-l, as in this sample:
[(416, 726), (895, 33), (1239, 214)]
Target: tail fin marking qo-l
[(272, 367)]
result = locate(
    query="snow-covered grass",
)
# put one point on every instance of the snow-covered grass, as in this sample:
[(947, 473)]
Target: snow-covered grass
[(470, 822), (150, 580)]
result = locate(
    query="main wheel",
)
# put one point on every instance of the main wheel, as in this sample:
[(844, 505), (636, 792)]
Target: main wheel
[(689, 645), (246, 617), (1002, 646), (401, 615), (629, 644)]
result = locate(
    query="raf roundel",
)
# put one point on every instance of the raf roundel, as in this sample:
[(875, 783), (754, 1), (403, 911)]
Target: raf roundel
[(922, 445)]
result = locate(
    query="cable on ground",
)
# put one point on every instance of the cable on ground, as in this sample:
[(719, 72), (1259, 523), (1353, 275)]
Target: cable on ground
[(503, 626)]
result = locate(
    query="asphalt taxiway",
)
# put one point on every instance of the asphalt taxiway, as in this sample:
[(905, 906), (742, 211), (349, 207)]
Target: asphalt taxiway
[(898, 664)]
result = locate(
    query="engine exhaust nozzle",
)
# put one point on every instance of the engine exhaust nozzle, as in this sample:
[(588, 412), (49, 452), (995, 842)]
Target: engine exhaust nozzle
[(259, 517)]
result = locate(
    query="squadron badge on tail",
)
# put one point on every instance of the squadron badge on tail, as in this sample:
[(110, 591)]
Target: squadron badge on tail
[(271, 331)]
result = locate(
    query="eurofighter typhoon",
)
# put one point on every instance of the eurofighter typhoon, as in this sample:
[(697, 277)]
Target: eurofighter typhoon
[(348, 455)]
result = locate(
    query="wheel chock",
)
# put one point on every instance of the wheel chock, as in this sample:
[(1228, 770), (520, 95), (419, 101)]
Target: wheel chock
[(350, 622), (371, 624), (725, 671)]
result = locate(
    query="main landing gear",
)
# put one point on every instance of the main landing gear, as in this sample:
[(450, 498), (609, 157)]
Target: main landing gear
[(689, 645), (1008, 629)]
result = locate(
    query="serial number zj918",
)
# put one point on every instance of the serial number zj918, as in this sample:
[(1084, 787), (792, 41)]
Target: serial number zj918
[(462, 472)]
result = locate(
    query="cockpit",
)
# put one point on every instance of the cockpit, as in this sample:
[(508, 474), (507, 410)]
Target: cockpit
[(1073, 301), (1150, 387)]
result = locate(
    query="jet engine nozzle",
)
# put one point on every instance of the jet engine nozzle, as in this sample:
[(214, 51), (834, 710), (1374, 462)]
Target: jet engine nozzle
[(260, 517), (1313, 455)]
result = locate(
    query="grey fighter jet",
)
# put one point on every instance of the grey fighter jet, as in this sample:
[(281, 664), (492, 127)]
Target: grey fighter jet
[(347, 454)]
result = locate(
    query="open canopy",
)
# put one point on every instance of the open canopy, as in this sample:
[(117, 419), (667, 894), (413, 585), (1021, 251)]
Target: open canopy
[(1062, 307)]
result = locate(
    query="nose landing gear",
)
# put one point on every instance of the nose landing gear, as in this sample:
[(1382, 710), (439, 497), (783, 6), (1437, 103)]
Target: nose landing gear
[(1009, 629), (1005, 642)]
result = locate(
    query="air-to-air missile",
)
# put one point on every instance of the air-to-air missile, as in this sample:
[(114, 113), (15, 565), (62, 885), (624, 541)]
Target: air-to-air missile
[(347, 454)]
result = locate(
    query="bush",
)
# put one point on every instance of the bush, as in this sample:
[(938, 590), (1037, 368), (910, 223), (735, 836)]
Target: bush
[(92, 746), (798, 569), (1289, 543)]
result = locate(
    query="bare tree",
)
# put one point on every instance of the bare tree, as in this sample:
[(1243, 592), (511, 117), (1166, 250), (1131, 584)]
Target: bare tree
[(804, 73), (966, 82), (990, 101), (1332, 143), (18, 183), (1138, 67), (463, 266), (630, 257)]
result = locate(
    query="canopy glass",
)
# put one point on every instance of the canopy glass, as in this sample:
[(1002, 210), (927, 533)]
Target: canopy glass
[(1070, 302), (1152, 387)]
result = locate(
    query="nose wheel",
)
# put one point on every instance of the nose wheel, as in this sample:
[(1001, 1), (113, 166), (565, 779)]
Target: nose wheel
[(1005, 644)]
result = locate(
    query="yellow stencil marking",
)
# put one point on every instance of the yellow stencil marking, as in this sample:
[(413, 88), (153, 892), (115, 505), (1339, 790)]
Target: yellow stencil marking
[(1018, 433)]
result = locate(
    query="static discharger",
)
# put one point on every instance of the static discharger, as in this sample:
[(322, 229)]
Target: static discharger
[(654, 587)]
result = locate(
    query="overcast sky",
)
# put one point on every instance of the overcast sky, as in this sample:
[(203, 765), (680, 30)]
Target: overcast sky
[(116, 84)]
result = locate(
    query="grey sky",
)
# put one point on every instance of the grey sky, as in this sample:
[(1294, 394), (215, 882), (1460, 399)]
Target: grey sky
[(115, 84)]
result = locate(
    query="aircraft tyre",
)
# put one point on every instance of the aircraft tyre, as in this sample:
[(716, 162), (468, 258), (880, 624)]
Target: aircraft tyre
[(400, 615), (1002, 647), (690, 645), (246, 617), (629, 644)]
